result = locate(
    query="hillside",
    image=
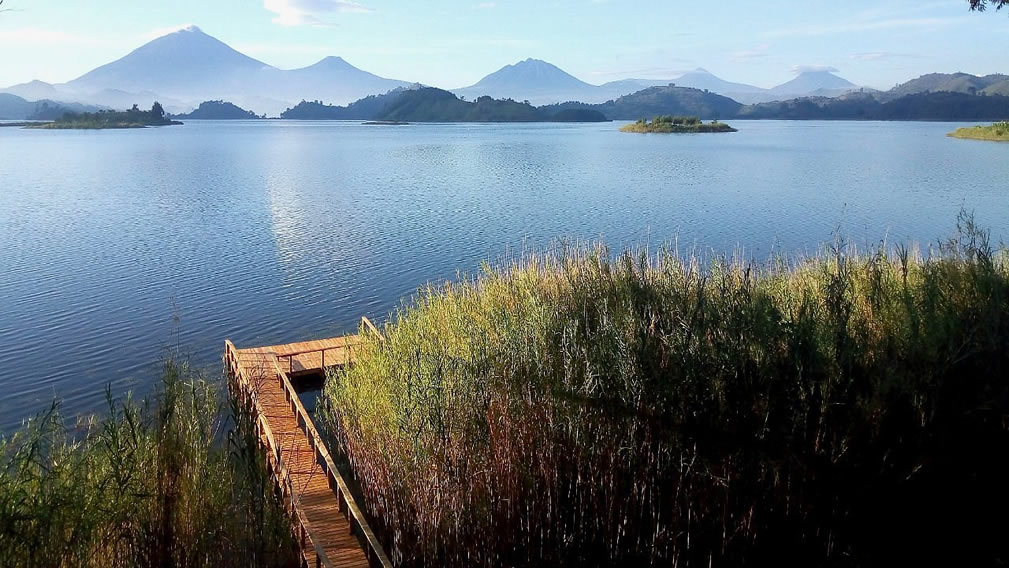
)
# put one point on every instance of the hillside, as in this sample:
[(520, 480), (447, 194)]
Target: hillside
[(655, 101), (218, 110), (866, 106), (951, 82)]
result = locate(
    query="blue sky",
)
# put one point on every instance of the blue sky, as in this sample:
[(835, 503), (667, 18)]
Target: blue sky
[(454, 43)]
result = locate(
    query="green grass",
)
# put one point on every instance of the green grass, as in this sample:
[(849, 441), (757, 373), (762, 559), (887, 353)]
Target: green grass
[(156, 483), (572, 409), (676, 125), (998, 132)]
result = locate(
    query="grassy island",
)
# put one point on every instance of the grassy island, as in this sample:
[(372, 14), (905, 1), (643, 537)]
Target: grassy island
[(997, 132), (573, 409), (676, 125), (106, 119)]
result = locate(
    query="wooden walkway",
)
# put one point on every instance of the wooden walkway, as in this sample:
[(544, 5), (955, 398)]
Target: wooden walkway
[(326, 521)]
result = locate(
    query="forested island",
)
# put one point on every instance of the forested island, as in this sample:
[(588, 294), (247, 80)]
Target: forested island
[(219, 110), (104, 119), (998, 132), (676, 125)]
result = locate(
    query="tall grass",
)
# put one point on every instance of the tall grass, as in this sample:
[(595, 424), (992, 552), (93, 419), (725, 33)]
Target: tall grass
[(156, 483), (575, 410)]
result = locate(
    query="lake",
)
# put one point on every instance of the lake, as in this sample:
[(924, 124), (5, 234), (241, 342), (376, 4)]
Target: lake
[(118, 245)]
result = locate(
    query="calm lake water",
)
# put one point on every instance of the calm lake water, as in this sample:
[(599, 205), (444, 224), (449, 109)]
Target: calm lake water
[(115, 245)]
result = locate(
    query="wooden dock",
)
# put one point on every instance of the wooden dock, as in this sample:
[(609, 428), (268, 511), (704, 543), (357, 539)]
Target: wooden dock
[(327, 523)]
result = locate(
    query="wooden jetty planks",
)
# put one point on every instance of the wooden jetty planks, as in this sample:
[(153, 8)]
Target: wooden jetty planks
[(290, 428)]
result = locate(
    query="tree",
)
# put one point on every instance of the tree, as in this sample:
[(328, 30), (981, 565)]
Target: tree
[(157, 111), (981, 5)]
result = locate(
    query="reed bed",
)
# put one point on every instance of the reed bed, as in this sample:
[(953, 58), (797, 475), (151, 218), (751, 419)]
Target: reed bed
[(173, 481), (577, 408)]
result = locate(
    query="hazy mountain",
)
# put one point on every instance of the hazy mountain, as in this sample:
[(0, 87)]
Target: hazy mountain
[(332, 79), (534, 80), (702, 79), (189, 65), (655, 101), (33, 91), (184, 64), (811, 81)]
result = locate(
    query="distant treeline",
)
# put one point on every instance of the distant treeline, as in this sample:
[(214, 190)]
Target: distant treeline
[(436, 105), (864, 106), (427, 104)]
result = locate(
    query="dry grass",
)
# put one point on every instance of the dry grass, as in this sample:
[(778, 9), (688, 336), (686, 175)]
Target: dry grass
[(574, 410)]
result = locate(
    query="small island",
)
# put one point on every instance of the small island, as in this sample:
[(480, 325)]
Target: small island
[(104, 119), (997, 132), (219, 110), (676, 125)]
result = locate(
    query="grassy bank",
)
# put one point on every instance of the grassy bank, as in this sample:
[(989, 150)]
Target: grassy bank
[(676, 125), (998, 132), (156, 483), (574, 410)]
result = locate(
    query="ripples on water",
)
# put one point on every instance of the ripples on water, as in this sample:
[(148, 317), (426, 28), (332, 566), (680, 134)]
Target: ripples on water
[(275, 231)]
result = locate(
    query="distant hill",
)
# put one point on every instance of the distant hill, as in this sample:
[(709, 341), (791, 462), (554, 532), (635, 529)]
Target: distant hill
[(13, 107), (436, 105), (942, 105), (33, 91), (218, 110), (368, 108), (1000, 88), (951, 82), (655, 101)]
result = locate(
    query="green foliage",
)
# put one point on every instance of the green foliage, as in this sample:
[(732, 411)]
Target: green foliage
[(577, 410), (981, 5), (150, 484), (667, 124)]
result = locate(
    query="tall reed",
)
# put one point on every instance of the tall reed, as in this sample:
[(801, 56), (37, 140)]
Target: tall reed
[(156, 483), (572, 409)]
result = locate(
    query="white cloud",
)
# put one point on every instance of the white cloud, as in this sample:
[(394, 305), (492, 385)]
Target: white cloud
[(748, 55), (311, 12), (813, 69), (878, 55), (484, 6)]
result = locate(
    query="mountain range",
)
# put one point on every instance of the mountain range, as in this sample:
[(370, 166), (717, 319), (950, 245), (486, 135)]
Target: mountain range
[(188, 66)]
